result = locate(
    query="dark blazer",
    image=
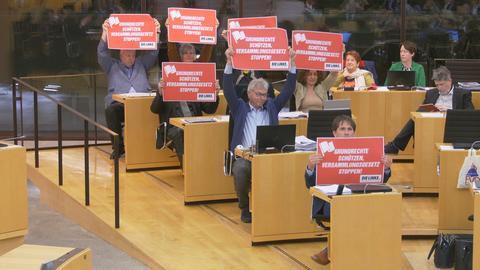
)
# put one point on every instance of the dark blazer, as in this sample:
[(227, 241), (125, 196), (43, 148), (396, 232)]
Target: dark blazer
[(165, 110), (322, 207), (461, 99), (239, 108)]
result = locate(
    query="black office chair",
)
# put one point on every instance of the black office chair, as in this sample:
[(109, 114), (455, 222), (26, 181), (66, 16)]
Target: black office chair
[(320, 122)]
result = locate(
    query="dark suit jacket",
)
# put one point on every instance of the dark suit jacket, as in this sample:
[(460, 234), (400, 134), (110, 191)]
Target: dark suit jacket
[(165, 110), (461, 99), (322, 207)]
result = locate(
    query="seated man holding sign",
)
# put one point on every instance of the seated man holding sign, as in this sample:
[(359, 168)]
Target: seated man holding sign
[(259, 110), (342, 126), (127, 75)]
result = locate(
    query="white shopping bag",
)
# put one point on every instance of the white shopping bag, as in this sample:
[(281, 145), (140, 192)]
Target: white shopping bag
[(469, 172)]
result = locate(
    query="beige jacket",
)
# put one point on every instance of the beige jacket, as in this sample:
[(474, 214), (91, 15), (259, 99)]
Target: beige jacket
[(321, 89)]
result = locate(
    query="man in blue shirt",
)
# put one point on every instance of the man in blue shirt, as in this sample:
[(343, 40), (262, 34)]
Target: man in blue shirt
[(127, 75), (259, 110)]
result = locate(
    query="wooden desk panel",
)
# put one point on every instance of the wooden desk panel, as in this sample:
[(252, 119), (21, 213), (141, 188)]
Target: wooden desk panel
[(476, 231), (13, 197), (398, 106), (428, 132), (365, 230), (139, 136), (454, 205), (369, 110), (280, 203)]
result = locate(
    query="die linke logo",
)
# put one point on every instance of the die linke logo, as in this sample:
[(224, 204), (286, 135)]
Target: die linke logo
[(300, 38), (174, 14), (238, 35), (170, 69), (234, 24), (113, 21)]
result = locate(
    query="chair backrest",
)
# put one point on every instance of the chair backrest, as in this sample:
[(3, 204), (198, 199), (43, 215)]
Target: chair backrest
[(320, 122), (462, 70)]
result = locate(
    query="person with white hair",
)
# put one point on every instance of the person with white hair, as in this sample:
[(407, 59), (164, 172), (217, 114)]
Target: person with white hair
[(247, 115)]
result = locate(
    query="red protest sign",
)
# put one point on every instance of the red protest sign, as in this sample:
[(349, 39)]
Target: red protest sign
[(189, 82), (132, 32), (350, 160), (259, 49), (318, 50), (253, 22), (189, 25)]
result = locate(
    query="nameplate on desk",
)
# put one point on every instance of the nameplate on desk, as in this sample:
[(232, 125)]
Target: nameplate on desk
[(138, 95), (199, 120)]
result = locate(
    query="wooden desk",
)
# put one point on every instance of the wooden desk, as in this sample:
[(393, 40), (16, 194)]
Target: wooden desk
[(383, 113), (13, 197), (139, 134), (428, 131), (365, 230), (280, 204), (476, 230), (31, 257), (454, 205), (204, 178)]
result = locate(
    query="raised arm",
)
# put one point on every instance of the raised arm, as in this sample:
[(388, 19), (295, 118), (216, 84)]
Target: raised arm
[(228, 86), (149, 58), (289, 87), (105, 60)]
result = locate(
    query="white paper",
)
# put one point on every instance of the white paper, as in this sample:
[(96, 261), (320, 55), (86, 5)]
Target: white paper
[(382, 88), (296, 114), (433, 114), (446, 147), (332, 189), (303, 143), (138, 94), (222, 118)]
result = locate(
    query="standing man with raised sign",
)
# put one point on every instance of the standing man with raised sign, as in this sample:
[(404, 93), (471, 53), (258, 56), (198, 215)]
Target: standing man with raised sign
[(127, 75), (259, 110), (342, 126)]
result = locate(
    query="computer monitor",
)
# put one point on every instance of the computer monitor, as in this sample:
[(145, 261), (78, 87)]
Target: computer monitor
[(337, 104), (462, 128), (401, 79), (274, 139)]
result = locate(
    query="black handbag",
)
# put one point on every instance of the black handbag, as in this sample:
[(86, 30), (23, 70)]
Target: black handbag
[(444, 247), (161, 136), (463, 252)]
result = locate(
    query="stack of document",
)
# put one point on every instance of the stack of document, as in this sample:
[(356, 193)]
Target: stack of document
[(332, 190), (296, 114), (303, 143), (469, 85)]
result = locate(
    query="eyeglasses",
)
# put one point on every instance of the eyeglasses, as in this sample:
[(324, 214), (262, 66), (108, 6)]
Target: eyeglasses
[(258, 94)]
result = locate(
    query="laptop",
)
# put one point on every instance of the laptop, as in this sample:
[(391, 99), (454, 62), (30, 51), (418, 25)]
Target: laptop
[(462, 128), (400, 80), (337, 104), (276, 139)]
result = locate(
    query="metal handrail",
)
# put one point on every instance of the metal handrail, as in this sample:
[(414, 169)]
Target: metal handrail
[(60, 105)]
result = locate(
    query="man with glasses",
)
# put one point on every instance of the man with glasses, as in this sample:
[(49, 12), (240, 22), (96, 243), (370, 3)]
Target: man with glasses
[(260, 110)]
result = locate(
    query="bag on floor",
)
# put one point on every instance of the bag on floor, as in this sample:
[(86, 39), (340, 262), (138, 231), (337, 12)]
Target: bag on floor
[(468, 174), (444, 247), (463, 253)]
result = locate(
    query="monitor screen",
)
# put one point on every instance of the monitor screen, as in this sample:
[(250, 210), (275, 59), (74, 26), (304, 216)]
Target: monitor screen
[(280, 138), (462, 128), (401, 78), (346, 36), (454, 35)]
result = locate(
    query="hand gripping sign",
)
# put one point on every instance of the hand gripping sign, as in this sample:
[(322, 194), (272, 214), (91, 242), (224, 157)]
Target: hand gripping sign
[(259, 49), (317, 50), (253, 22), (132, 32), (350, 160), (189, 82), (191, 25)]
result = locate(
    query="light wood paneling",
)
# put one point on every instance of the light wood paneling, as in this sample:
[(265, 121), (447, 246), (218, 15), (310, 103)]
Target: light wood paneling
[(428, 132), (13, 195), (454, 205), (476, 231)]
